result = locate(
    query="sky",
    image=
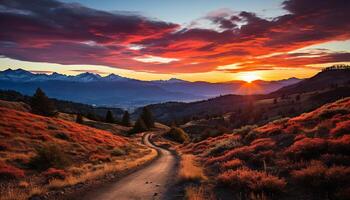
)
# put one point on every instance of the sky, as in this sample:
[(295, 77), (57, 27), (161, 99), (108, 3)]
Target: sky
[(198, 40)]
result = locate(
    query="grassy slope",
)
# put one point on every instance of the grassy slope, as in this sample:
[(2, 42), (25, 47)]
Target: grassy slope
[(302, 157), (23, 132), (92, 153)]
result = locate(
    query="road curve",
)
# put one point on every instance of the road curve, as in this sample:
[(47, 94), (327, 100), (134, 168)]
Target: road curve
[(150, 182)]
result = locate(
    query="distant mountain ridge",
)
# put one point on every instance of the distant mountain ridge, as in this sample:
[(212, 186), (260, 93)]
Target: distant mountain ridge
[(117, 91), (326, 86), (324, 79)]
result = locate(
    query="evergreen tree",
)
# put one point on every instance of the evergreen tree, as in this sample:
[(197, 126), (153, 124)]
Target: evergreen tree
[(79, 119), (275, 101), (126, 119), (109, 117), (139, 126), (41, 104), (147, 117)]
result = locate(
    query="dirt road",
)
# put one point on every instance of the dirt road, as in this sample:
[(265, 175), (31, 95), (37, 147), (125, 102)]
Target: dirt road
[(150, 182)]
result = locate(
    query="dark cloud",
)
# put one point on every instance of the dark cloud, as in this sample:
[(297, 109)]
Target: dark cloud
[(52, 31)]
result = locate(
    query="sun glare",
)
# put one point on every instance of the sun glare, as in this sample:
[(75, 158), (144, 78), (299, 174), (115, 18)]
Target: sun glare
[(249, 77)]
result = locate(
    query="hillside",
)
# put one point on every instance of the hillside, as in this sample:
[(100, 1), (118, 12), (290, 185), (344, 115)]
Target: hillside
[(64, 106), (42, 154), (324, 79), (305, 157), (325, 87)]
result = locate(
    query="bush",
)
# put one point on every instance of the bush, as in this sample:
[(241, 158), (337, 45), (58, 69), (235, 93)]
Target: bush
[(341, 128), (248, 181), (62, 136), (222, 146), (53, 173), (320, 178), (312, 176), (118, 152), (307, 148), (177, 135), (329, 113), (8, 172), (232, 164), (49, 156)]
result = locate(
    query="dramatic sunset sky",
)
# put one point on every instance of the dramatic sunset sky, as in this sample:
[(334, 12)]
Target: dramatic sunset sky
[(208, 40)]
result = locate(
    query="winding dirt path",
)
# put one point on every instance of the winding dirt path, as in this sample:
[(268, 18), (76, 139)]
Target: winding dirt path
[(150, 182)]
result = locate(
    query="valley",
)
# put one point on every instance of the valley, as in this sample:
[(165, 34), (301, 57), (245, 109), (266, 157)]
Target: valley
[(231, 146), (174, 100)]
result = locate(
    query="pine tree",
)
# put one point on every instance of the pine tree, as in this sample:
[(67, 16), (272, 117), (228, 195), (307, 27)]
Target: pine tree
[(139, 126), (109, 117), (126, 119), (79, 119), (147, 117), (41, 104)]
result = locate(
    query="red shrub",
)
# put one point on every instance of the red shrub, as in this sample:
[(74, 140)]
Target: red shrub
[(311, 176), (338, 176), (252, 181), (307, 148), (320, 178), (340, 145), (10, 172), (232, 164), (53, 173), (263, 144), (341, 128)]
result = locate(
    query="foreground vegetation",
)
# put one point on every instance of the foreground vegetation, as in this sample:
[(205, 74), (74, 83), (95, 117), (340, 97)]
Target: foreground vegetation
[(305, 157), (40, 154)]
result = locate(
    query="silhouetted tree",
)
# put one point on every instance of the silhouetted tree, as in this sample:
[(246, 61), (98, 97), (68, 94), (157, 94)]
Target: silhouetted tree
[(109, 117), (41, 104), (297, 98), (79, 119), (275, 101), (139, 126), (147, 117), (126, 119), (92, 116)]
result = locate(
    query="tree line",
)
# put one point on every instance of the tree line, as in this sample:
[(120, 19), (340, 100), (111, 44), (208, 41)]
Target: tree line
[(43, 105)]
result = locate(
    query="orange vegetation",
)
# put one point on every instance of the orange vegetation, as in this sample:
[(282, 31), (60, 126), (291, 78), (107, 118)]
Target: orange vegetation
[(308, 155), (39, 154), (190, 170), (22, 133)]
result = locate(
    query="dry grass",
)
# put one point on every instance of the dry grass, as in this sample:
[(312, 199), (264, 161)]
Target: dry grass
[(21, 192), (280, 156), (88, 172), (190, 169), (99, 171), (22, 133), (20, 106), (198, 193)]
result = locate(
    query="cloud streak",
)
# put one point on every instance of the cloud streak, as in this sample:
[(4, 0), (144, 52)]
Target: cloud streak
[(52, 31)]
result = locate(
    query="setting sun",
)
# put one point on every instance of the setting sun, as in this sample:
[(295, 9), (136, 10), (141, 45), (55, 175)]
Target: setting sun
[(249, 77)]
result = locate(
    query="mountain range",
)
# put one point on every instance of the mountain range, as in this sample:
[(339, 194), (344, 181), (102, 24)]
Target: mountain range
[(324, 87), (117, 91)]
